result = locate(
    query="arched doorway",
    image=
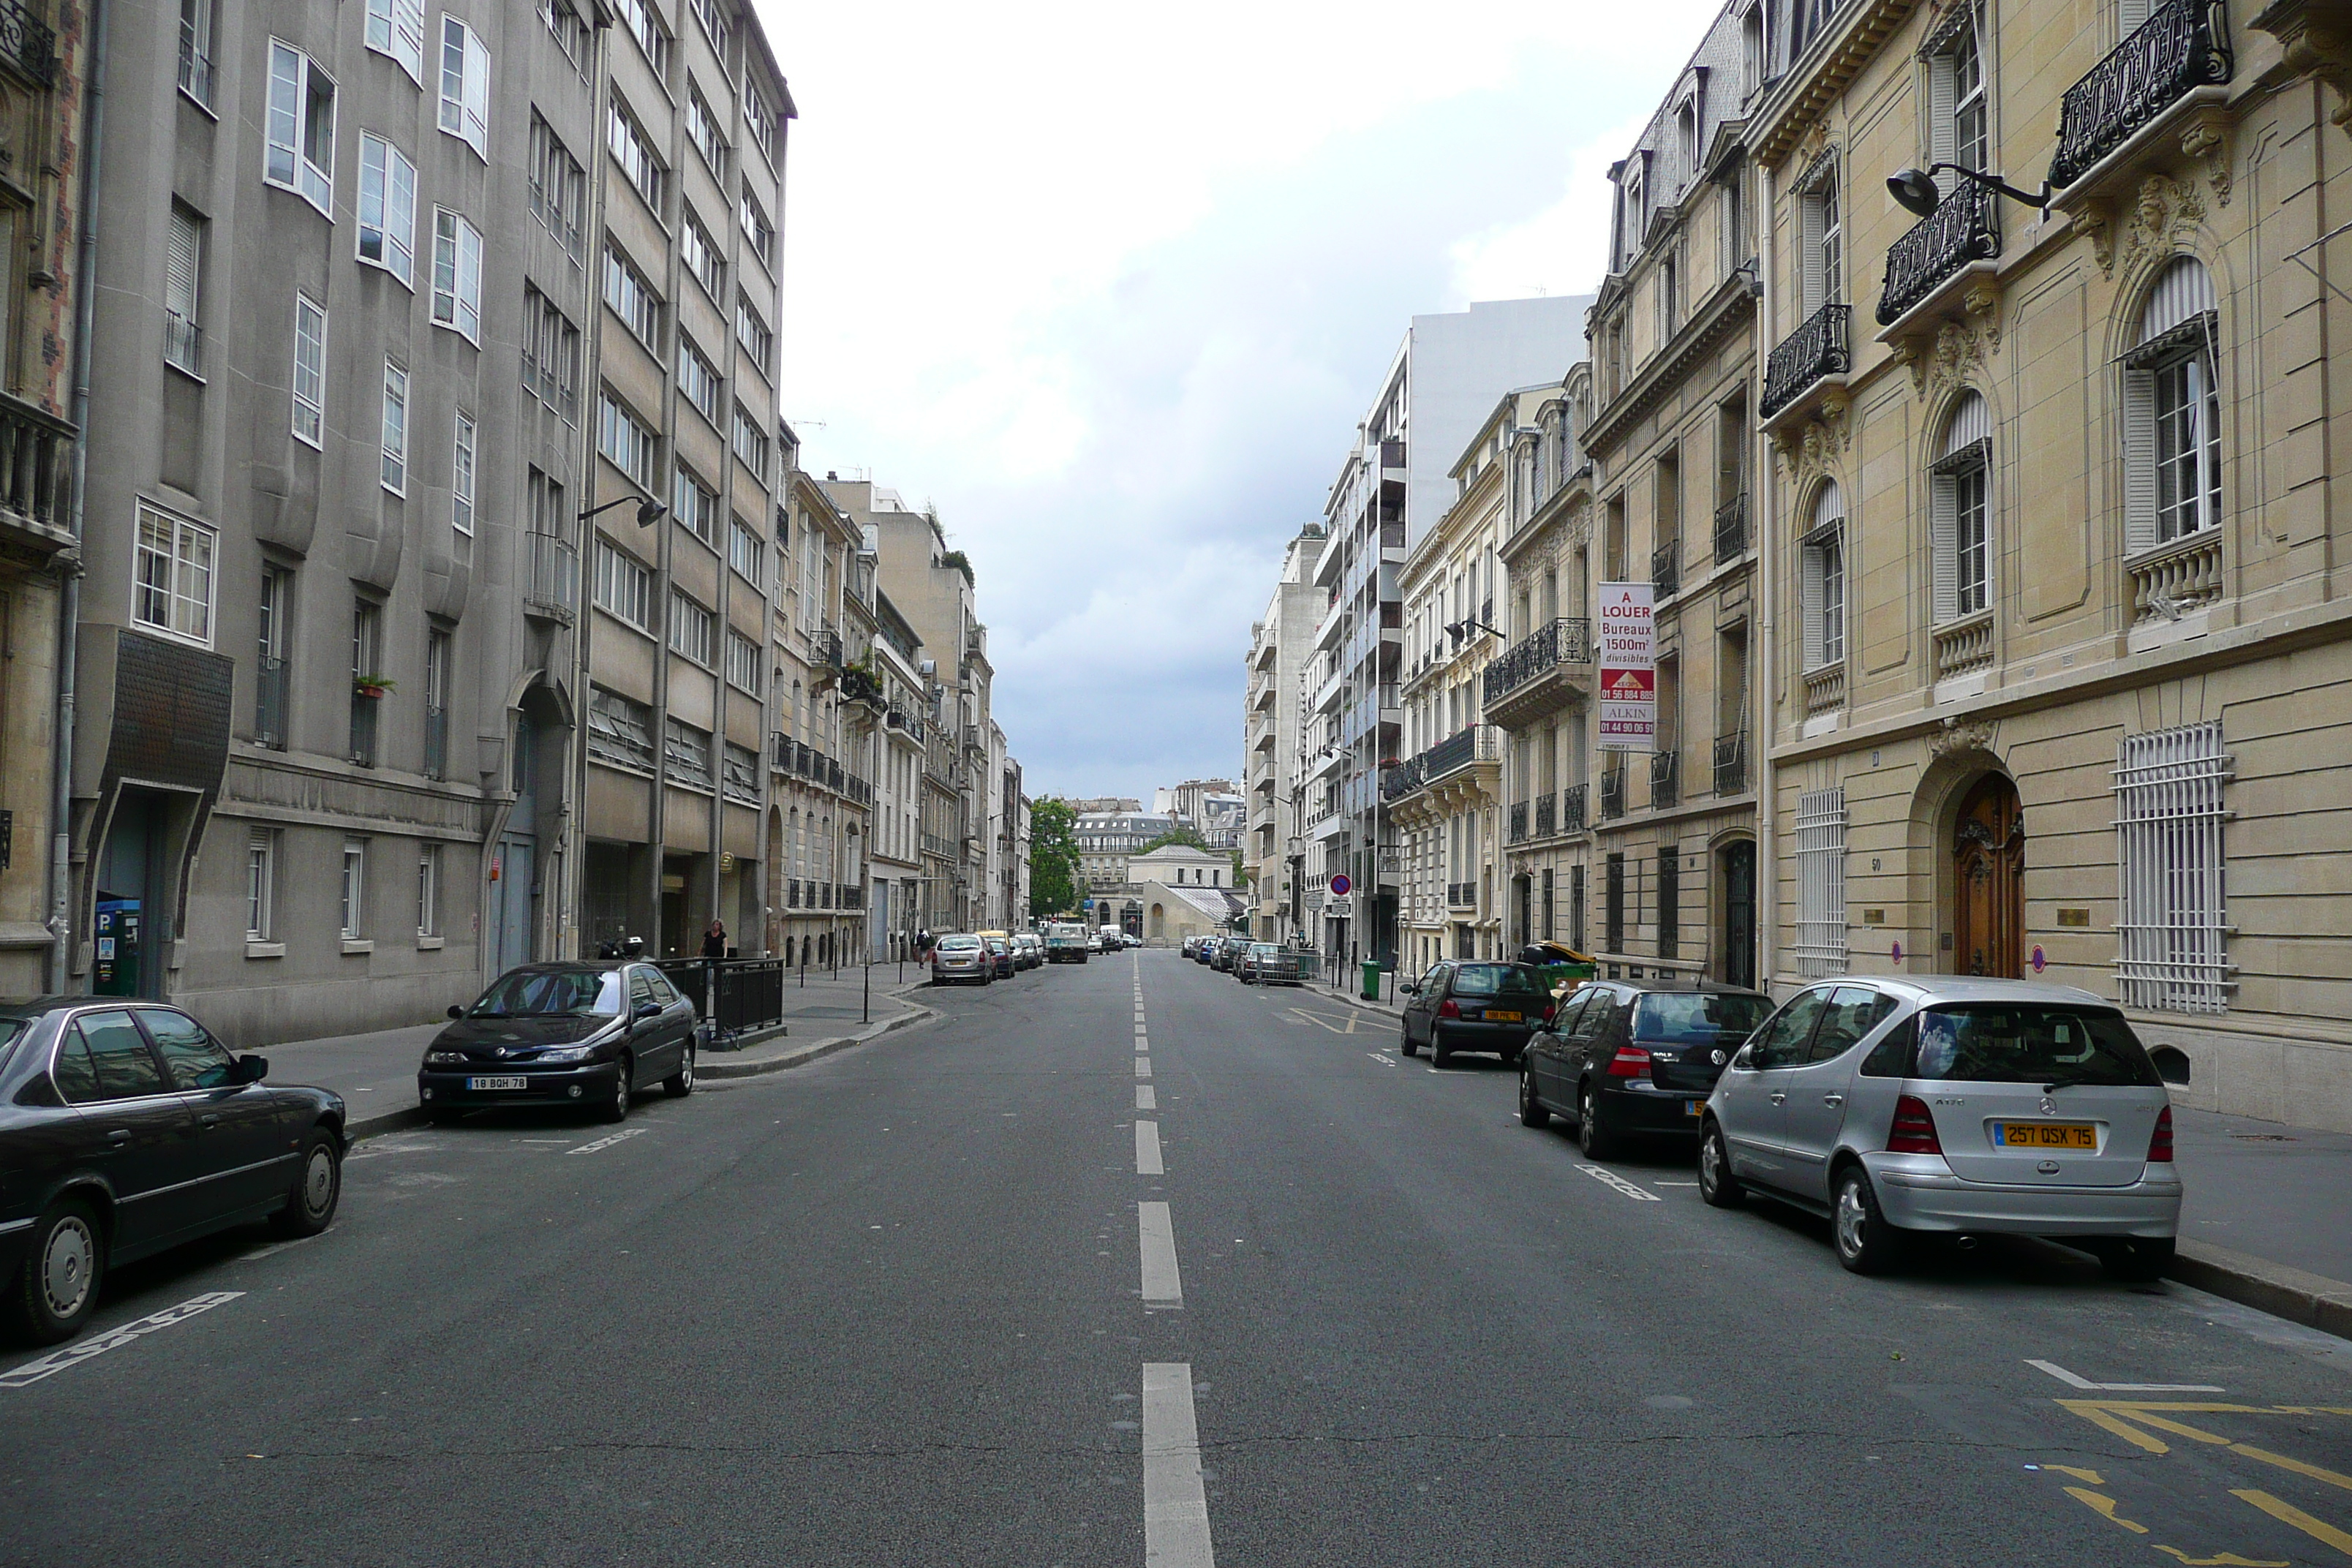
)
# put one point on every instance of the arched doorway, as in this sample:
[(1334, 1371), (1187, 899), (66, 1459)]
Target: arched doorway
[(1159, 921), (1988, 880)]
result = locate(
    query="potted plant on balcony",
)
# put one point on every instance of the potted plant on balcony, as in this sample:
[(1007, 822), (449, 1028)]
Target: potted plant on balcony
[(372, 685)]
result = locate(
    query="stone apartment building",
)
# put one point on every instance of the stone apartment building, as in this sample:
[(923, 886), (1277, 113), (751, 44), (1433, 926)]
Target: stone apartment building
[(1274, 722)]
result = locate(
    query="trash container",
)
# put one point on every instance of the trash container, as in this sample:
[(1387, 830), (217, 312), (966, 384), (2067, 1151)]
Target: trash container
[(1371, 980)]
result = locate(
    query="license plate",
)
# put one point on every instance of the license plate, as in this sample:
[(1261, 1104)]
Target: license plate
[(2045, 1135), (1693, 1107), (1494, 1016), (498, 1083)]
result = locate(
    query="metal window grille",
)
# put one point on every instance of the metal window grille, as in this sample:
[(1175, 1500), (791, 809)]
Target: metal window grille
[(1821, 882), (1670, 907), (2171, 929)]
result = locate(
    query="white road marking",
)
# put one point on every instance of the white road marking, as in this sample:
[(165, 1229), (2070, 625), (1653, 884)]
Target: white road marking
[(1143, 1066), (375, 1146), (1139, 1028), (32, 1372), (1146, 1098), (1147, 1150), (273, 1249), (1678, 1184), (1141, 1043), (2068, 1378), (1156, 1233), (1175, 1503), (623, 1136), (1385, 1060), (1609, 1178)]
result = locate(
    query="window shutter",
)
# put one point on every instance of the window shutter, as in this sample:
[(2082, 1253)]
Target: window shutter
[(1943, 547), (1809, 592), (2139, 461), (1808, 263), (1942, 103), (2129, 14), (477, 94), (180, 268)]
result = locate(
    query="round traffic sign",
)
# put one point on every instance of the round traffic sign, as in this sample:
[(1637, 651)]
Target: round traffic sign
[(1340, 885)]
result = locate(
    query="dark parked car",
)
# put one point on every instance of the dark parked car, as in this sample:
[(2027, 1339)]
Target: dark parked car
[(1461, 1005), (1624, 1057), (999, 956), (126, 1128), (588, 1034)]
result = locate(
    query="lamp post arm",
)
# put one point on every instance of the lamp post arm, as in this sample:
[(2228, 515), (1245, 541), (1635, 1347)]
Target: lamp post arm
[(1995, 184)]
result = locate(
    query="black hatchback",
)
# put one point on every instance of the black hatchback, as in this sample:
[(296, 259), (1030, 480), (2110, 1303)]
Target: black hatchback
[(127, 1128), (588, 1034), (1461, 1005), (1623, 1057)]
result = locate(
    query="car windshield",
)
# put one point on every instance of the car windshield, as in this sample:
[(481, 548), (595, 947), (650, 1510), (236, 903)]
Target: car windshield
[(1697, 1015), (1496, 980), (557, 994), (2009, 1042), (959, 944)]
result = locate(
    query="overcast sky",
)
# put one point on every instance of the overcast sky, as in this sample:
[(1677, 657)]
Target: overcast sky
[(1111, 290)]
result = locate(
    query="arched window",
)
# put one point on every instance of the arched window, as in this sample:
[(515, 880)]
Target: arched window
[(2172, 412), (1960, 529), (1821, 586)]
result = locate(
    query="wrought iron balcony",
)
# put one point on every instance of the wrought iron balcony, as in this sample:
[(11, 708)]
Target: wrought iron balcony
[(27, 43), (1666, 568), (1816, 349), (1731, 530), (363, 725), (1547, 814), (1572, 809), (2182, 45), (1612, 794), (1730, 764), (269, 704), (1665, 778), (1540, 652), (1962, 229), (1519, 831)]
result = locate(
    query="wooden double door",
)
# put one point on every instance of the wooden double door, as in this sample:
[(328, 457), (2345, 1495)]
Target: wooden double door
[(1989, 881)]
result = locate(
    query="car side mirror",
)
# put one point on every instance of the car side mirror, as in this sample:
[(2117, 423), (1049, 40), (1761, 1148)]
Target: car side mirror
[(455, 1011), (1411, 987), (251, 1070), (644, 1010)]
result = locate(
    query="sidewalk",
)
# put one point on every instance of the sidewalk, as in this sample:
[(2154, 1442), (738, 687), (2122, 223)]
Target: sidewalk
[(376, 1073)]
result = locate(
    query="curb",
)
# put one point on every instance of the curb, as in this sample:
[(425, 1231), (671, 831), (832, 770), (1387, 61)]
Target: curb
[(2312, 1301), (388, 1122)]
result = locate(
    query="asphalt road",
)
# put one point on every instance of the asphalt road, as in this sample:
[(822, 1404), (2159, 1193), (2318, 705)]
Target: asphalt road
[(917, 1304)]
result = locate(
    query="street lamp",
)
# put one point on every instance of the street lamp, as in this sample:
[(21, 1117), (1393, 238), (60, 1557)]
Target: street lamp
[(1916, 192), (650, 510), (1462, 628)]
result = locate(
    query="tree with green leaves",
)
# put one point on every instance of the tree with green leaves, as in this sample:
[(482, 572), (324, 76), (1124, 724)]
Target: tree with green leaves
[(1188, 837), (1052, 858)]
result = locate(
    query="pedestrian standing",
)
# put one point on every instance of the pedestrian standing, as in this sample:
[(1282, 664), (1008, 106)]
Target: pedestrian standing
[(714, 941)]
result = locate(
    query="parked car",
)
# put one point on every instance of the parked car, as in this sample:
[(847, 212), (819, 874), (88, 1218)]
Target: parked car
[(1206, 952), (1000, 951), (961, 959), (1027, 951), (127, 1128), (1250, 966), (1094, 941), (1066, 942), (1191, 942), (586, 1033), (1221, 957), (1955, 1105), (1470, 1006), (1621, 1057)]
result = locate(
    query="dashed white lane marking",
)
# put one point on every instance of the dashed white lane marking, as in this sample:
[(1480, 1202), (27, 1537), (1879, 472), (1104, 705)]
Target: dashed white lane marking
[(2068, 1378), (1141, 1043), (1143, 1066), (1147, 1150), (1385, 1060), (56, 1362), (1609, 1178), (1678, 1184), (1156, 1233), (623, 1136), (1146, 1098), (1175, 1503)]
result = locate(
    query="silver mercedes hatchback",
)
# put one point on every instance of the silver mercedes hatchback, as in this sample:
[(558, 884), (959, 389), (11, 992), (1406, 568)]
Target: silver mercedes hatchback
[(1949, 1104)]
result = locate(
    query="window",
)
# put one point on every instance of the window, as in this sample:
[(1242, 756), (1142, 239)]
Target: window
[(757, 230), (109, 1060), (634, 155), (1822, 245), (2170, 923), (269, 667), (545, 498), (260, 883), (355, 890), (1821, 882), (625, 441), (632, 299), (428, 889), (743, 662), (559, 187), (1959, 535), (620, 732), (752, 333), (698, 379), (182, 347), (464, 86), (172, 587), (692, 629), (396, 27), (1613, 903), (457, 274), (571, 33), (2172, 413), (300, 151), (713, 17), (750, 444), (395, 428), (747, 552), (387, 207), (761, 122), (702, 130), (687, 751), (700, 253), (647, 29), (436, 703), (196, 50), (622, 586), (461, 477), (1959, 128), (739, 780), (367, 641), (1822, 586), (551, 354), (310, 369), (693, 505)]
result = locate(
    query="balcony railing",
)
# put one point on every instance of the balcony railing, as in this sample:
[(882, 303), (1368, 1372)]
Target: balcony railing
[(1816, 349), (1547, 814), (1825, 689), (437, 743), (1612, 794), (1731, 530), (1962, 647), (2181, 46), (1665, 778), (1730, 764), (550, 582), (1572, 809), (2182, 575), (1666, 568), (269, 704), (363, 718), (1962, 229), (1518, 822), (1553, 644), (27, 43)]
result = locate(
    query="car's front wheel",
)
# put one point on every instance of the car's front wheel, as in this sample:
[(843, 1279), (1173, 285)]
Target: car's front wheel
[(318, 1186), (1866, 1242), (1531, 1110), (56, 1288), (617, 1108), (681, 1083), (1716, 1185)]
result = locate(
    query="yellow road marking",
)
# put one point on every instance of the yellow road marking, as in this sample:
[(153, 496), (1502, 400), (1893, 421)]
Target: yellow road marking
[(2227, 1560), (2319, 1529), (2332, 1478), (2097, 1415), (2105, 1507), (2091, 1475)]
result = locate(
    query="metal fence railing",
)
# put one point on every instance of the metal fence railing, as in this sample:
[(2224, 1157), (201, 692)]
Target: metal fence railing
[(730, 995)]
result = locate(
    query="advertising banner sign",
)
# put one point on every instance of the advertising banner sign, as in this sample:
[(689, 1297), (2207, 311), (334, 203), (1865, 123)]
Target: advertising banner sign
[(1628, 663)]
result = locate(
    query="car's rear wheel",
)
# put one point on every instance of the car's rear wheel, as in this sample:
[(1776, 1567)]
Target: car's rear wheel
[(56, 1288), (617, 1108), (1440, 1053), (2135, 1259), (1716, 1185), (1593, 1136), (318, 1187), (681, 1083), (1531, 1110), (1866, 1242)]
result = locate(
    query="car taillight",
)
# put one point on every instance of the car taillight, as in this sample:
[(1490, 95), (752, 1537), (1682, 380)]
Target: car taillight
[(1446, 1009), (1915, 1129), (1630, 1061), (2159, 1142), (1549, 1009)]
